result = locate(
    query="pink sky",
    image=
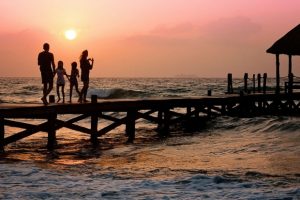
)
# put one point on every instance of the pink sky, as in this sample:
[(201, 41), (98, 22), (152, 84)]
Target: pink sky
[(148, 38)]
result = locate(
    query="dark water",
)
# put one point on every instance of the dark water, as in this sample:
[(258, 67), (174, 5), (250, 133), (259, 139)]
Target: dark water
[(225, 158)]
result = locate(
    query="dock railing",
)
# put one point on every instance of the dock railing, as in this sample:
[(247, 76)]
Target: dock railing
[(259, 84)]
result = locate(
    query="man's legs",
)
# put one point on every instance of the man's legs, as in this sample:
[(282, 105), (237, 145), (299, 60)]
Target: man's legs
[(46, 90)]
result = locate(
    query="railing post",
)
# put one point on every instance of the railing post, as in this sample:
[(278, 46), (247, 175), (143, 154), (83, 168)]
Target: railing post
[(130, 125), (51, 131), (265, 83), (229, 84), (94, 123), (258, 83), (208, 92), (2, 131), (290, 85), (51, 99), (253, 83), (277, 74), (246, 82)]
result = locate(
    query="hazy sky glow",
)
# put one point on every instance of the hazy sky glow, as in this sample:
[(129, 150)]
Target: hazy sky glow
[(148, 38)]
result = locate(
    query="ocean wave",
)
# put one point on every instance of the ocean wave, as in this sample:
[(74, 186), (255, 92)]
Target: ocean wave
[(258, 124), (31, 88), (117, 93)]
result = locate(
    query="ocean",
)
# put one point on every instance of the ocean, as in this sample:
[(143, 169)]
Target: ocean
[(224, 158)]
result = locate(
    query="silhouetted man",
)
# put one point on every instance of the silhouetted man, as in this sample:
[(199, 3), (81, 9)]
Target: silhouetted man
[(45, 60)]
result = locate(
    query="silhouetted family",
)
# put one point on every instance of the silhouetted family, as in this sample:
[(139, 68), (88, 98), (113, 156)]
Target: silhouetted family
[(49, 70)]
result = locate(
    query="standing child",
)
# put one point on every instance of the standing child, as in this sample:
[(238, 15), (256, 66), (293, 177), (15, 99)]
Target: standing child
[(73, 79), (60, 83)]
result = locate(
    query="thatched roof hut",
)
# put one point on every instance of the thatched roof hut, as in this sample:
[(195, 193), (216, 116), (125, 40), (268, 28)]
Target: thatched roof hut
[(289, 44)]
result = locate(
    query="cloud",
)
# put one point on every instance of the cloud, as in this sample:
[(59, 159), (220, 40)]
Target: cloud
[(234, 31), (182, 29), (192, 47), (230, 30)]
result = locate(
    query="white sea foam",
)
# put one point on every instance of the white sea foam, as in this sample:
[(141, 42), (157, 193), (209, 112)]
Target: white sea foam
[(26, 181)]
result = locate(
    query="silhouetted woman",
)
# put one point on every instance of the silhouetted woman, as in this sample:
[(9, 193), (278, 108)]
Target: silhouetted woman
[(86, 64)]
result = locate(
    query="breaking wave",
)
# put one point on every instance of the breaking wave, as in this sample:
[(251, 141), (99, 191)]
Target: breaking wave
[(117, 93), (258, 124)]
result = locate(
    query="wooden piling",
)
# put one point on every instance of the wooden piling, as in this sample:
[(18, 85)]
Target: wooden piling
[(258, 83), (51, 131), (188, 111), (243, 107), (290, 84), (51, 99), (246, 82), (166, 122), (130, 125), (265, 83), (253, 82), (208, 92), (277, 74), (94, 123), (159, 119), (197, 112), (2, 131), (229, 84), (223, 109)]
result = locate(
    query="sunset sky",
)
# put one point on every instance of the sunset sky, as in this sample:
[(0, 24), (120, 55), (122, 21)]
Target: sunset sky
[(148, 38)]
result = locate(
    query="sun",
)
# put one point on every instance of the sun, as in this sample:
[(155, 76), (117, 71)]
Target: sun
[(70, 34)]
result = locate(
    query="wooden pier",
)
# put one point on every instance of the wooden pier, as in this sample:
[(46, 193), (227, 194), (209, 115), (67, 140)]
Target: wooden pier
[(161, 111)]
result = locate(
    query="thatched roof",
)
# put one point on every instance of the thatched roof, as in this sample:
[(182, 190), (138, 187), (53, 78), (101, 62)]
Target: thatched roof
[(289, 44)]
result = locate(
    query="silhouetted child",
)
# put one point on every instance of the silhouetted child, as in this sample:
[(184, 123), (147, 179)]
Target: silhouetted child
[(73, 79), (60, 83)]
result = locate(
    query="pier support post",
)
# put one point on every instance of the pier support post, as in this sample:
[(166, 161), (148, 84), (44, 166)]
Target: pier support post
[(277, 75), (166, 122), (208, 92), (197, 112), (188, 111), (246, 82), (1, 135), (291, 76), (223, 109), (51, 132), (290, 84), (94, 123), (258, 83), (229, 84), (265, 83), (160, 119), (244, 106), (253, 81), (130, 125)]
